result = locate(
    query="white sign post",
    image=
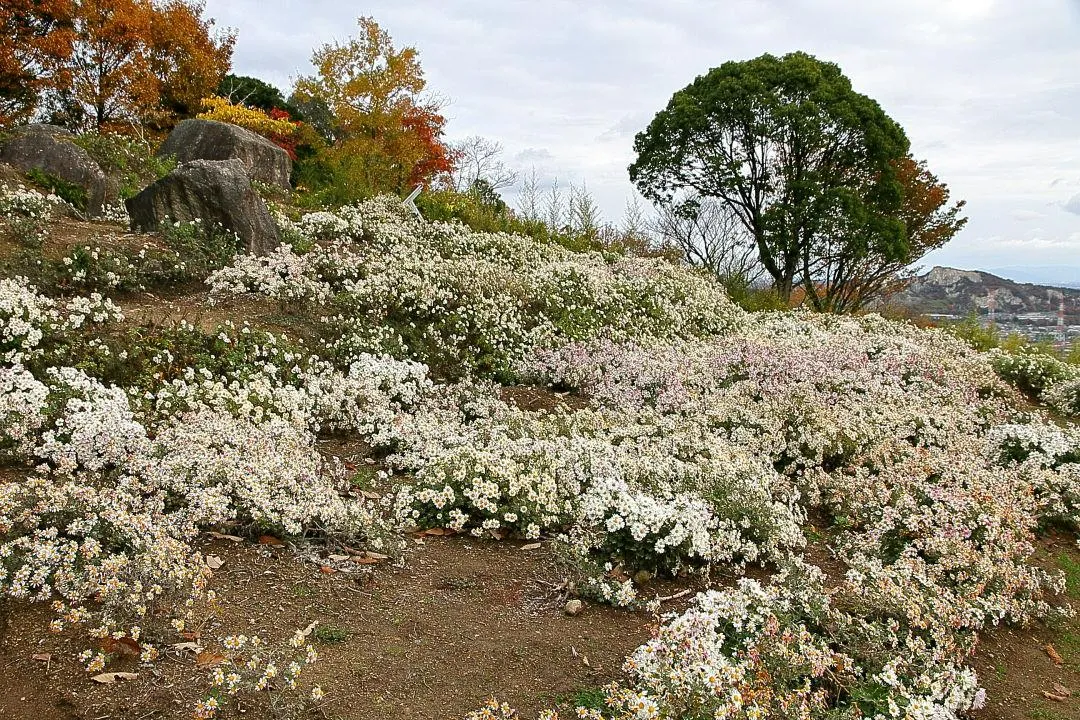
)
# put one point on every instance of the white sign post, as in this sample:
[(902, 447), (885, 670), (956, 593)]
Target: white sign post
[(408, 202)]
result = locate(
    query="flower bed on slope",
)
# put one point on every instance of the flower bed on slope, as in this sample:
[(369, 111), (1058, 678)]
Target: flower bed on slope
[(710, 436)]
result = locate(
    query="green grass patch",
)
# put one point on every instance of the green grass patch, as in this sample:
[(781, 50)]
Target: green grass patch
[(1071, 567), (331, 634), (72, 194)]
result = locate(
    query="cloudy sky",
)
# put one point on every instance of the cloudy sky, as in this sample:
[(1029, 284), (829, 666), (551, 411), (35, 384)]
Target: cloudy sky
[(988, 91)]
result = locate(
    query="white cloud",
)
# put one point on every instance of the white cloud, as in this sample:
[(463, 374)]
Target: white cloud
[(1027, 215), (1073, 204)]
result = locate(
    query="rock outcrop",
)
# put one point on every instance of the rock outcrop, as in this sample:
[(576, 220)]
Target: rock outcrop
[(50, 149), (212, 140), (947, 290), (214, 191)]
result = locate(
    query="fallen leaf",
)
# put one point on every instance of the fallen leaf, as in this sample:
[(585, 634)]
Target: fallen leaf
[(209, 659), (123, 646), (1058, 660), (371, 495), (1053, 696), (375, 556), (223, 536), (191, 635), (338, 558), (438, 531), (531, 546), (327, 570), (616, 573), (270, 540), (1062, 690), (499, 534), (214, 562), (364, 560), (585, 661), (42, 657), (111, 677)]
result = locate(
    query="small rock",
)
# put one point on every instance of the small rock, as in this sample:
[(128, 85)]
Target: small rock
[(574, 607)]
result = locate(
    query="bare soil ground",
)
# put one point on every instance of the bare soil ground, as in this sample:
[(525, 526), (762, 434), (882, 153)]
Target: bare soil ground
[(1033, 673), (464, 620)]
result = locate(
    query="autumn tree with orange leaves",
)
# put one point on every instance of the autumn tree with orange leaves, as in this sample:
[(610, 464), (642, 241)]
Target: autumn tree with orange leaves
[(187, 56), (106, 62), (387, 134), (38, 38)]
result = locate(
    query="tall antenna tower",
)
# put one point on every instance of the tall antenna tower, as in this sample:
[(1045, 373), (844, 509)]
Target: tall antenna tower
[(1061, 318)]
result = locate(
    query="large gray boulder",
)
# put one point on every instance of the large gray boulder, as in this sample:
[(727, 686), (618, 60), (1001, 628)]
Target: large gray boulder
[(50, 149), (212, 140), (214, 191)]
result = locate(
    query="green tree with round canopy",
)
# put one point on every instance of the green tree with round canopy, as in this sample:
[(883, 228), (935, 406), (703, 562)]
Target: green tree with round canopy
[(806, 164)]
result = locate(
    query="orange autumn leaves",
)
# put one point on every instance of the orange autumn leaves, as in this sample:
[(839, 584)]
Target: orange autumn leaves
[(37, 37), (106, 62)]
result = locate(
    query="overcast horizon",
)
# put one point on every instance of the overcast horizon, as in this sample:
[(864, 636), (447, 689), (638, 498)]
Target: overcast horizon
[(987, 92)]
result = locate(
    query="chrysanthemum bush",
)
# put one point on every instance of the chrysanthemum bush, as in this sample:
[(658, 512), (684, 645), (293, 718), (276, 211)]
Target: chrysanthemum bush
[(379, 280), (124, 479), (107, 259), (1064, 397), (184, 253), (249, 665), (25, 214), (903, 438), (1043, 376)]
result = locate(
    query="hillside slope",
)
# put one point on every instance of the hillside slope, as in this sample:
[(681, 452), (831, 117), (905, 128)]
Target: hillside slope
[(858, 501)]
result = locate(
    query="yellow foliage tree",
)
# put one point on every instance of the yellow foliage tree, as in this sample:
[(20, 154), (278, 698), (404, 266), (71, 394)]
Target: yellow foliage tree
[(387, 134)]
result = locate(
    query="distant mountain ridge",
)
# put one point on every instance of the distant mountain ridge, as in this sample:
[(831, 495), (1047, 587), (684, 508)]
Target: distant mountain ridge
[(949, 291), (1049, 275)]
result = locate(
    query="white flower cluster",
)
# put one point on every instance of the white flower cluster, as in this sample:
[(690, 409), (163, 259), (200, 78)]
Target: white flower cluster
[(754, 651), (25, 318), (120, 490), (708, 438), (25, 214), (18, 202), (219, 468), (115, 213), (1037, 373), (648, 494), (904, 437), (94, 431), (1064, 397), (1047, 457), (22, 410), (252, 665), (380, 280)]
